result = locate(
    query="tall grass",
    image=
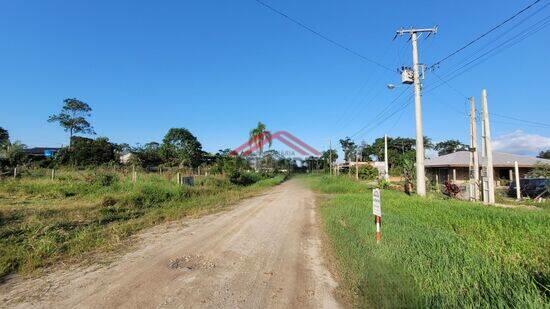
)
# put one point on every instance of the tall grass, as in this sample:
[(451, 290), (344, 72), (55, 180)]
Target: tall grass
[(434, 252), (43, 221)]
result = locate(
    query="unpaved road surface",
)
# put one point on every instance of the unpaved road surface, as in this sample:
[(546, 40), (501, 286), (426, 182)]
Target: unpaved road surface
[(263, 253)]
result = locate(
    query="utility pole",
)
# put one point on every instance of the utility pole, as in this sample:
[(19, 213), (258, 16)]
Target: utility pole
[(330, 155), (357, 166), (474, 156), (420, 172), (386, 168), (488, 183)]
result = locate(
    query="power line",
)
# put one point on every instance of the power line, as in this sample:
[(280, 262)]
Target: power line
[(529, 31), (522, 120), (437, 63), (380, 115), (324, 37), (500, 36)]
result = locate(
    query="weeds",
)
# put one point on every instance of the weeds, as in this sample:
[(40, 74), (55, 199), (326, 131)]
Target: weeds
[(434, 252), (43, 221)]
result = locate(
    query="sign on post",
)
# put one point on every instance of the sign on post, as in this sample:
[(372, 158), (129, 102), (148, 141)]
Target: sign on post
[(377, 211)]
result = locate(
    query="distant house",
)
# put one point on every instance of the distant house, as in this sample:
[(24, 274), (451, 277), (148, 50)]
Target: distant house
[(125, 158), (455, 166), (41, 152)]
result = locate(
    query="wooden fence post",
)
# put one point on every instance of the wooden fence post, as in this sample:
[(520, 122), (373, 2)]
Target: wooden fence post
[(53, 173), (15, 172)]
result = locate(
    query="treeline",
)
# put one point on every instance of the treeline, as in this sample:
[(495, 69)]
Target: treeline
[(179, 148)]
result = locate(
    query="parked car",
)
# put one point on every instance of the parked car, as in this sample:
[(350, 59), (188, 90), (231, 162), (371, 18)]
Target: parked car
[(531, 187)]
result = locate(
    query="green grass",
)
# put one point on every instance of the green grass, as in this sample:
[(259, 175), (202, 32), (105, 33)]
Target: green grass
[(435, 252), (45, 221)]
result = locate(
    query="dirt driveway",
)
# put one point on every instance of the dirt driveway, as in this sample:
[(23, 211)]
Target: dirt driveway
[(263, 253)]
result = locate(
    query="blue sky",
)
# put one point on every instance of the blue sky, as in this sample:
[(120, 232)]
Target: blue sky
[(219, 67)]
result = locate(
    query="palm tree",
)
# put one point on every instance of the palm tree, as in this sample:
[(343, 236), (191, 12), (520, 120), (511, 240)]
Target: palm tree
[(257, 137)]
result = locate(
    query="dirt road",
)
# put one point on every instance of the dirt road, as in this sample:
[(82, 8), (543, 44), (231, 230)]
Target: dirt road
[(263, 253)]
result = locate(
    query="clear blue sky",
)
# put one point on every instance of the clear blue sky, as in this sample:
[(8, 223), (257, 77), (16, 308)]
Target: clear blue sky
[(219, 67)]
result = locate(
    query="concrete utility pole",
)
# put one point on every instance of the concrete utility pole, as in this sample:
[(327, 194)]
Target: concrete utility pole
[(474, 156), (518, 188), (420, 172), (488, 183), (386, 168), (357, 166)]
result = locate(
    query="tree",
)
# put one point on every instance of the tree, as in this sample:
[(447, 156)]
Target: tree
[(544, 154), (180, 147), (349, 148), (257, 137), (148, 154), (449, 146), (72, 118), (14, 154), (326, 157), (88, 152), (541, 170), (4, 137), (400, 151)]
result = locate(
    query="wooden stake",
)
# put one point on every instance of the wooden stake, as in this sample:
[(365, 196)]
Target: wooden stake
[(53, 173)]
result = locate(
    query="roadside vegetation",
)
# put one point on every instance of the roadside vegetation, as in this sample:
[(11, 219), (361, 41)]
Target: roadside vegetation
[(435, 252), (44, 221)]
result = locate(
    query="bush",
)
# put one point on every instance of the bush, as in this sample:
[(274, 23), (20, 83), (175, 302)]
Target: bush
[(87, 152), (103, 179), (213, 181), (368, 172), (244, 178), (540, 170)]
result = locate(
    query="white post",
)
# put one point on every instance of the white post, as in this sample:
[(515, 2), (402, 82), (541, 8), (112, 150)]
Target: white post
[(454, 175), (386, 168), (420, 173), (15, 172), (474, 150), (53, 173), (488, 150), (518, 188), (330, 155), (357, 166)]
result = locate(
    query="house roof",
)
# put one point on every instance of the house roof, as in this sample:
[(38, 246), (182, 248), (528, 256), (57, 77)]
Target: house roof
[(500, 159)]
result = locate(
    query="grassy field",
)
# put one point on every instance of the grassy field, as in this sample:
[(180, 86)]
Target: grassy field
[(44, 221), (435, 252)]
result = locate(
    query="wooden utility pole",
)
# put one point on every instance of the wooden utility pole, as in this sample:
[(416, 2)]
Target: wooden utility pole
[(474, 154), (488, 182), (518, 188)]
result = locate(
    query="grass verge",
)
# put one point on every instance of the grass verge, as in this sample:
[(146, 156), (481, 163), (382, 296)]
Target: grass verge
[(45, 221), (434, 252)]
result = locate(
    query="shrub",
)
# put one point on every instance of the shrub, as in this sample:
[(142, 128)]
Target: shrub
[(213, 181), (103, 179), (368, 172), (244, 178)]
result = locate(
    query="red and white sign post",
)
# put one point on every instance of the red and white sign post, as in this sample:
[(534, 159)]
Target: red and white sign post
[(377, 211)]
